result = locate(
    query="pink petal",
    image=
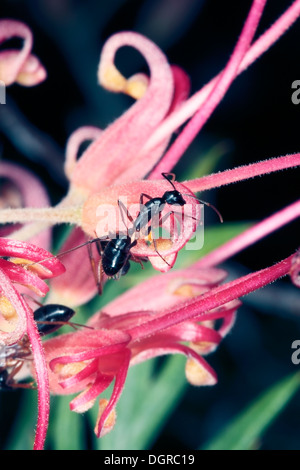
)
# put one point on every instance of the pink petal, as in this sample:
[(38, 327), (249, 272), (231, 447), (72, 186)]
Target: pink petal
[(50, 266), (19, 275), (118, 147), (244, 172), (19, 328), (101, 383), (163, 291), (147, 159), (252, 235), (73, 145), (208, 376)]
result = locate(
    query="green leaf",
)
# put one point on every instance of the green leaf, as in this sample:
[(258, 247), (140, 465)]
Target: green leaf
[(21, 436), (213, 238), (66, 430), (247, 429)]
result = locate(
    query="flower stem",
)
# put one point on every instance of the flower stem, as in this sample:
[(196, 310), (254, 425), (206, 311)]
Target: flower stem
[(51, 215)]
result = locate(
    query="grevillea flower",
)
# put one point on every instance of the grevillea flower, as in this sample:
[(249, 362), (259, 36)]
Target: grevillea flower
[(125, 160)]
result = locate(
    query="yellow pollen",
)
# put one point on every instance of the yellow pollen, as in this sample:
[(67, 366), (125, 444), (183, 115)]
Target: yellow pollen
[(113, 80), (196, 374), (185, 290), (6, 309), (68, 370), (110, 420), (136, 88)]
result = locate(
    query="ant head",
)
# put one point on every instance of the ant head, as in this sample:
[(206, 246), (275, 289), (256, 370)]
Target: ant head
[(174, 198)]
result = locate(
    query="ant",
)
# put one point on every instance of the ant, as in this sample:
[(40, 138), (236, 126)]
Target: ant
[(49, 318), (116, 253), (156, 205)]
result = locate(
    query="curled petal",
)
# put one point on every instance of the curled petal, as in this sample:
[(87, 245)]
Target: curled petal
[(42, 379), (69, 355), (86, 399), (117, 149), (148, 158), (19, 275), (40, 259), (198, 371), (19, 66)]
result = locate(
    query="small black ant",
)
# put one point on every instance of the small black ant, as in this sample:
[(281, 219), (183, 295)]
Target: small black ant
[(49, 318), (155, 206)]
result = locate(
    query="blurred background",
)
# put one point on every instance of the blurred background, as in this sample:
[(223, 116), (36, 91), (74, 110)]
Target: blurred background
[(256, 121)]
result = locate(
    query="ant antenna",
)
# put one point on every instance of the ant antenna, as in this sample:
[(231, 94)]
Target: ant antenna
[(170, 177), (206, 204)]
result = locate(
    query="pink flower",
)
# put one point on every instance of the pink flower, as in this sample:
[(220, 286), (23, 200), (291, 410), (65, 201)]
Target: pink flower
[(89, 360), (124, 160)]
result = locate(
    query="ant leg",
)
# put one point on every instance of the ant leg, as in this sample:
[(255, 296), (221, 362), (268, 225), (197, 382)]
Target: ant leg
[(33, 300), (62, 323), (155, 247), (96, 271), (136, 259), (142, 195), (123, 208), (10, 379)]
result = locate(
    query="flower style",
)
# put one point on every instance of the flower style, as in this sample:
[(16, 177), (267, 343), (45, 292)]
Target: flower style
[(125, 160)]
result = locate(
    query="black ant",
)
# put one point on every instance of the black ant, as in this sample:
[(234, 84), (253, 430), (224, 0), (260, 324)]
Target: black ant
[(116, 253), (49, 318), (156, 205)]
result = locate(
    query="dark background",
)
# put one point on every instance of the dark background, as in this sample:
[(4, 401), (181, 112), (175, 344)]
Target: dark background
[(257, 120)]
